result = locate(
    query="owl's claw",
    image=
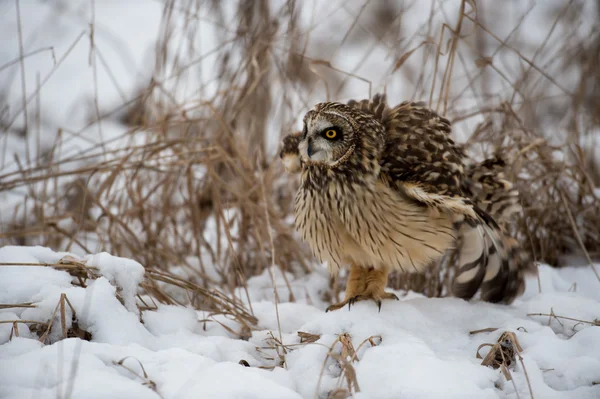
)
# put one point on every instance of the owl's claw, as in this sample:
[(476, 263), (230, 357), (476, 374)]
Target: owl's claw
[(365, 284), (337, 306), (377, 298)]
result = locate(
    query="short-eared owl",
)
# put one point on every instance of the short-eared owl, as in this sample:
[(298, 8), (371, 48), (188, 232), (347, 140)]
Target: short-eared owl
[(386, 188)]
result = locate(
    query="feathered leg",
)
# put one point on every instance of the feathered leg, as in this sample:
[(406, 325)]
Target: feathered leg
[(357, 283), (365, 284), (376, 281)]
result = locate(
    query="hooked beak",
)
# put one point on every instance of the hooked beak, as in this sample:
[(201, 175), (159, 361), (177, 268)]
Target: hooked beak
[(310, 149), (313, 152)]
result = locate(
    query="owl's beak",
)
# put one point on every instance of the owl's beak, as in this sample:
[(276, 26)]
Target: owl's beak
[(310, 149), (315, 154), (310, 152)]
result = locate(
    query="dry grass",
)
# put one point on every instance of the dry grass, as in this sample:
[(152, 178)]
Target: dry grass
[(156, 287), (503, 355), (206, 168), (343, 352)]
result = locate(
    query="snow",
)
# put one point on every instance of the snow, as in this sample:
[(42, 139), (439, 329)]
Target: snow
[(125, 273), (16, 284), (421, 348), (415, 348)]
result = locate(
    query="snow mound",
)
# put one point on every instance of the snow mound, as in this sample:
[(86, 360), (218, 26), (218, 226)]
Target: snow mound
[(127, 274), (414, 348)]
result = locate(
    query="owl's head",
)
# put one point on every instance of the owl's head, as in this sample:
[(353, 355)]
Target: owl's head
[(335, 134)]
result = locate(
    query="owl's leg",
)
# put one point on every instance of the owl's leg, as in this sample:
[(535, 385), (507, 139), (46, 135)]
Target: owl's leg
[(356, 285), (375, 281)]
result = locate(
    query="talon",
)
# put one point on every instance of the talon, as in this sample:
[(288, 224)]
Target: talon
[(364, 284), (337, 306)]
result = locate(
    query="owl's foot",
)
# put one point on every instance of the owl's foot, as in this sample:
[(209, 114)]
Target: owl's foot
[(365, 284), (356, 285), (377, 297), (338, 305), (375, 281)]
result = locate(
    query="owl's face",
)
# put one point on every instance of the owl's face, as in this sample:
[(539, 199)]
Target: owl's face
[(328, 135)]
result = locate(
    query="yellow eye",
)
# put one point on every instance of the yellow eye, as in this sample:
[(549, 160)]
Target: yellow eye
[(330, 134)]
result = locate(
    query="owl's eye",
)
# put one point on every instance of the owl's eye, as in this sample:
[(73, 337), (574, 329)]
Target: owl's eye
[(331, 134)]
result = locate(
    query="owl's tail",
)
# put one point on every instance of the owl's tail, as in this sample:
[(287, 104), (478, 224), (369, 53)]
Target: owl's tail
[(489, 260)]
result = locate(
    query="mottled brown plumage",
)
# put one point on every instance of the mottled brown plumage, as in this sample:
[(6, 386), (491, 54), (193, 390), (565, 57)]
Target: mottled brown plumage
[(289, 154), (488, 188), (387, 188)]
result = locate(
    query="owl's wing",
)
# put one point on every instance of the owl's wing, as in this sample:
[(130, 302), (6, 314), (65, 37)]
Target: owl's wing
[(486, 185), (423, 164), (289, 154), (377, 106), (420, 160)]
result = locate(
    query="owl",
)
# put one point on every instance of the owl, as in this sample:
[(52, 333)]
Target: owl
[(289, 153), (387, 189)]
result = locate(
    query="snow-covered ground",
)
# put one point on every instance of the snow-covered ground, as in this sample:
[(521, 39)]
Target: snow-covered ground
[(414, 348)]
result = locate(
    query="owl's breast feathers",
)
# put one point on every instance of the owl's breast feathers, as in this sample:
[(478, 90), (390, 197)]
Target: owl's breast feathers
[(352, 219)]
